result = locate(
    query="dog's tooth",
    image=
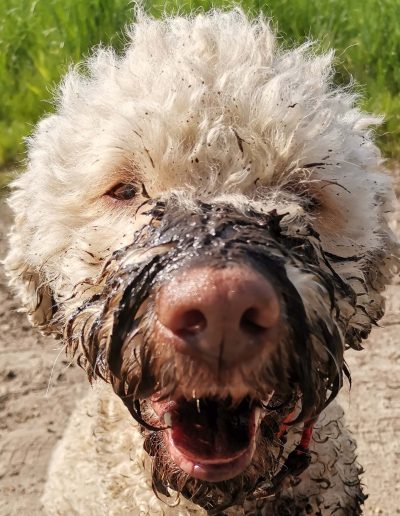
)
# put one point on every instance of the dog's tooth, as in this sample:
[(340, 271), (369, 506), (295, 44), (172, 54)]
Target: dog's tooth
[(269, 397), (168, 419)]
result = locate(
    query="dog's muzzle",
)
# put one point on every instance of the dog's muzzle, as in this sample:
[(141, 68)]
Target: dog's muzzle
[(199, 329)]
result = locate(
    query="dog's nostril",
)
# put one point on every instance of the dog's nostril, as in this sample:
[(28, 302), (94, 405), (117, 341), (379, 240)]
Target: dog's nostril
[(253, 322), (192, 322)]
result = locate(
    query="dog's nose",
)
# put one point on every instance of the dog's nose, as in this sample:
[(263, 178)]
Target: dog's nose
[(223, 316)]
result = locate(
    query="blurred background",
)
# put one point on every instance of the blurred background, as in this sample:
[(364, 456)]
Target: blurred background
[(40, 39)]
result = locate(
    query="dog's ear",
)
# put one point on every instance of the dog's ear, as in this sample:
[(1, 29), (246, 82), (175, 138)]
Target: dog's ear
[(26, 278)]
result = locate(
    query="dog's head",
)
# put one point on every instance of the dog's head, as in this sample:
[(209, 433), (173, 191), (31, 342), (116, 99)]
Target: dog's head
[(203, 221)]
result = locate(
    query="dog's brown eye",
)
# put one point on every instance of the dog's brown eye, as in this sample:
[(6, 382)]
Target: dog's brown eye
[(123, 192)]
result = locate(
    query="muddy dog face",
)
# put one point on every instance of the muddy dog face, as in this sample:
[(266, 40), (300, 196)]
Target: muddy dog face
[(203, 222)]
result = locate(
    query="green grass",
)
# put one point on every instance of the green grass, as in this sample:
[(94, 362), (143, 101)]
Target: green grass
[(39, 39)]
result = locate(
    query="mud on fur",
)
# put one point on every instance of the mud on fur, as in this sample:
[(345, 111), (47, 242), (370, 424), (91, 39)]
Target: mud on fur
[(204, 222)]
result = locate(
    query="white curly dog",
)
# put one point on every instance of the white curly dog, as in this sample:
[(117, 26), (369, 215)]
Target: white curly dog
[(203, 221)]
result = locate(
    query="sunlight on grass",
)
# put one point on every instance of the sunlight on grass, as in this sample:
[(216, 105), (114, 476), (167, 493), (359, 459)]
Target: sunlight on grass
[(39, 39)]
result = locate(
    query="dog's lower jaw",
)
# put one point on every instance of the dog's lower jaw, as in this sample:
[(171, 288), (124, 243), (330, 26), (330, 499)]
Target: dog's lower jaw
[(209, 439), (105, 445), (210, 472)]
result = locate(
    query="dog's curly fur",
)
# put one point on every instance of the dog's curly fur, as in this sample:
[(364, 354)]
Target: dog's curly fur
[(208, 120)]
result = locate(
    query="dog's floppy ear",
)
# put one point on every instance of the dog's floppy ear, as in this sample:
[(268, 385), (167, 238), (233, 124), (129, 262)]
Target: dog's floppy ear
[(25, 278)]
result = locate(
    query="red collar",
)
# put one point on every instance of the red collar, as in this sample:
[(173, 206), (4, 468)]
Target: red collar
[(296, 462)]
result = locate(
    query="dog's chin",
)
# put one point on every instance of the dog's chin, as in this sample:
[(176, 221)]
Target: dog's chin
[(210, 439)]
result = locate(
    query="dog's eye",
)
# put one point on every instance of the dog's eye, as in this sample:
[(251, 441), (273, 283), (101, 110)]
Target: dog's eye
[(123, 192)]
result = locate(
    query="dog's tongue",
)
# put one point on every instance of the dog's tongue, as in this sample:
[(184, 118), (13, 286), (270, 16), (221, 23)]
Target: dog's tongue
[(210, 430)]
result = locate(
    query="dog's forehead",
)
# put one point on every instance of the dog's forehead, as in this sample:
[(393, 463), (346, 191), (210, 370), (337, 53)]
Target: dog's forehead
[(184, 109), (208, 103)]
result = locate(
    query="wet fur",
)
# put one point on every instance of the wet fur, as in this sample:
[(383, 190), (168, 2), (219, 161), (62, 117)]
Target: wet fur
[(219, 130)]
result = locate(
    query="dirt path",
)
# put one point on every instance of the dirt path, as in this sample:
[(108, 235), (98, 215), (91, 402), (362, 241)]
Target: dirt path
[(32, 421)]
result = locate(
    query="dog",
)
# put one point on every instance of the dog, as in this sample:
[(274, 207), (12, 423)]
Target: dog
[(204, 223)]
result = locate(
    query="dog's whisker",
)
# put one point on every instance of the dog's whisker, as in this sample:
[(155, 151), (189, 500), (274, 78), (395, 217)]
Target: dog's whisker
[(61, 350)]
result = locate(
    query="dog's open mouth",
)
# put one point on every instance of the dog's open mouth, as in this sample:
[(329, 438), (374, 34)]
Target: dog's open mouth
[(210, 439)]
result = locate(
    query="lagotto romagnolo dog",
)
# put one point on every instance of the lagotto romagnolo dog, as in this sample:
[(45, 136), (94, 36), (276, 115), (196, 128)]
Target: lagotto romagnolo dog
[(203, 221)]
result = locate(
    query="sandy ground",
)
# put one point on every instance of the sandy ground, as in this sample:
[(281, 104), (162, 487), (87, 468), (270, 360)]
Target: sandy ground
[(38, 390)]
